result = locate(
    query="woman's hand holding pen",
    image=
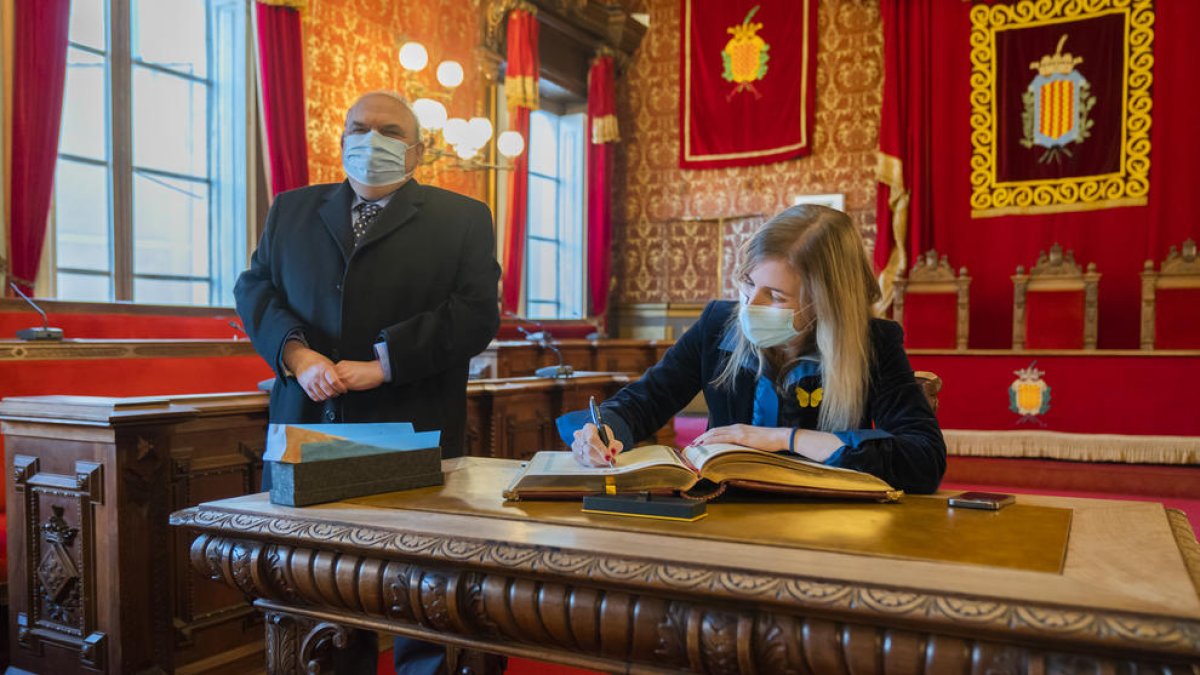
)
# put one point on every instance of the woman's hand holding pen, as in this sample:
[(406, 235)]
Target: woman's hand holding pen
[(590, 451)]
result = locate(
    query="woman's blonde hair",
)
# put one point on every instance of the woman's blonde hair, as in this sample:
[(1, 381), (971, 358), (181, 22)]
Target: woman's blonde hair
[(824, 248)]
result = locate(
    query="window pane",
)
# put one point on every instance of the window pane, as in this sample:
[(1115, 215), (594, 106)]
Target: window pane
[(542, 310), (84, 117), (543, 207), (85, 287), (543, 143), (170, 227), (543, 272), (172, 34), (170, 292), (81, 216), (87, 23), (170, 123)]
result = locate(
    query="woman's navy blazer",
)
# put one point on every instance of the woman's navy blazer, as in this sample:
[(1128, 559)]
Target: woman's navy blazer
[(898, 438)]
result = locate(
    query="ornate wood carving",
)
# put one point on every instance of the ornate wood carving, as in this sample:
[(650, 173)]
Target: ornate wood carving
[(522, 602), (296, 644), (594, 22), (103, 583), (1057, 271), (931, 274), (60, 584), (931, 384), (501, 571), (1181, 269)]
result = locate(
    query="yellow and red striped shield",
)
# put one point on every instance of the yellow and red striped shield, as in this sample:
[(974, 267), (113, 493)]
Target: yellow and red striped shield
[(1057, 99)]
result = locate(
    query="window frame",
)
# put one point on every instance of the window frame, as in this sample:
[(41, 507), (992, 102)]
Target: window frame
[(559, 241), (122, 172)]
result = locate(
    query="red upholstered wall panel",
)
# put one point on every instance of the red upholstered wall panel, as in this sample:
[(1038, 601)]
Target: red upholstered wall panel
[(1054, 320), (125, 326), (930, 320), (1118, 394), (1177, 318)]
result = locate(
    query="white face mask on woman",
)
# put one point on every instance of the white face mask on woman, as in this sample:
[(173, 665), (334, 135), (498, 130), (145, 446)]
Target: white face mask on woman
[(374, 159), (766, 326)]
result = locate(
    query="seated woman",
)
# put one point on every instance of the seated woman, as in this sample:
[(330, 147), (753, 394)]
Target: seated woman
[(799, 365)]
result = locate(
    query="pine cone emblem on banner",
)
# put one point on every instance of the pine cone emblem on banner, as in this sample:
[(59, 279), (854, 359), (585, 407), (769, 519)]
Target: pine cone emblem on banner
[(745, 55)]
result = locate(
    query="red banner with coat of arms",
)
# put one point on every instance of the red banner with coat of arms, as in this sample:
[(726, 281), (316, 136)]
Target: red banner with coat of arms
[(747, 81)]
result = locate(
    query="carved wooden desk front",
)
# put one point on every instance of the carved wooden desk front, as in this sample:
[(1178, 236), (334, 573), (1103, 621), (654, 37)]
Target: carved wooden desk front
[(620, 600)]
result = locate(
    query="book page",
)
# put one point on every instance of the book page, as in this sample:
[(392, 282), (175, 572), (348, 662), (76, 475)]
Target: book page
[(564, 464), (698, 455)]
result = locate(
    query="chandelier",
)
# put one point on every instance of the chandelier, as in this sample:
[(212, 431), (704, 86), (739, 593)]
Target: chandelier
[(458, 139)]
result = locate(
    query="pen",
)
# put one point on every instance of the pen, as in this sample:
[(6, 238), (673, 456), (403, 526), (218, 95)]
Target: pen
[(595, 410)]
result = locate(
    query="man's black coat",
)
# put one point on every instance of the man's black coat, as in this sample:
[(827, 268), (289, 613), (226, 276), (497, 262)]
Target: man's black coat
[(423, 280)]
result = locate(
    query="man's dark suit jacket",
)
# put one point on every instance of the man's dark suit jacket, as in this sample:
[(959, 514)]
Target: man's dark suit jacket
[(423, 280)]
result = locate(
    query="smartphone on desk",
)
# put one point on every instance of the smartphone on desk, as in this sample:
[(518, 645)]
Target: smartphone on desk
[(988, 501)]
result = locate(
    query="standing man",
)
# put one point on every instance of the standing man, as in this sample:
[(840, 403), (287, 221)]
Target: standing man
[(368, 298)]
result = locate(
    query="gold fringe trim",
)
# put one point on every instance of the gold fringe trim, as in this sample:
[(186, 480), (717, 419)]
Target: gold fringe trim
[(1189, 548), (605, 129), (300, 5), (1059, 208), (1032, 444), (521, 91), (890, 171)]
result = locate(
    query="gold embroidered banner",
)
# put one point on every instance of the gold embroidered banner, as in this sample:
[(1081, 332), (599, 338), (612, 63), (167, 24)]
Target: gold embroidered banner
[(1060, 105)]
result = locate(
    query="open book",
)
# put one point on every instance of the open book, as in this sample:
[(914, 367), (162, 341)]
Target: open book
[(659, 469)]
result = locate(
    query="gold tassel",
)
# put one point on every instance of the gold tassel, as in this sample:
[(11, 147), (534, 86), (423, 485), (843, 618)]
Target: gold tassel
[(890, 172), (299, 5), (521, 91), (1032, 444), (605, 129)]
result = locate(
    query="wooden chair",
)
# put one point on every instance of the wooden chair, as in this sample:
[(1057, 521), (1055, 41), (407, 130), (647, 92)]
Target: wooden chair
[(1055, 305), (1170, 297), (932, 303), (931, 384)]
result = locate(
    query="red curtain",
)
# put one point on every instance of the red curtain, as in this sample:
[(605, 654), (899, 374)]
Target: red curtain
[(928, 62), (39, 75), (521, 92), (281, 75), (603, 132), (904, 132)]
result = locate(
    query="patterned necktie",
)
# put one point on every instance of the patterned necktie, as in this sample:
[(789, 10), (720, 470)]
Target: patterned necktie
[(365, 214)]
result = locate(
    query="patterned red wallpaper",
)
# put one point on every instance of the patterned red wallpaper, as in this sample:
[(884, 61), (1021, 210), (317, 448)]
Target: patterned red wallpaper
[(352, 47), (677, 229)]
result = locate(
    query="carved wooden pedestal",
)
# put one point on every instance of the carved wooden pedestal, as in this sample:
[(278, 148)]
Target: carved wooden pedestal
[(98, 581)]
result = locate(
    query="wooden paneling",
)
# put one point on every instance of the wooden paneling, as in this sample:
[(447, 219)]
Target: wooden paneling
[(97, 580), (519, 358)]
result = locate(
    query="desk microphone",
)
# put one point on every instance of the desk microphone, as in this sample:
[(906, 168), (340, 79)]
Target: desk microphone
[(543, 339), (43, 333)]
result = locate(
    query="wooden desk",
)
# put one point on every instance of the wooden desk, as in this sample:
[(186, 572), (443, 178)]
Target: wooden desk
[(97, 580), (519, 358), (126, 599), (620, 601), (513, 418)]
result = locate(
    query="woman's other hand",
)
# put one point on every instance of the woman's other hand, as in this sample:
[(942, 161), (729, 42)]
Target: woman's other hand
[(771, 439)]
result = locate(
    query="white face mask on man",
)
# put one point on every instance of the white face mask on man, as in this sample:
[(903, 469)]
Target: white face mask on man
[(374, 159), (766, 326)]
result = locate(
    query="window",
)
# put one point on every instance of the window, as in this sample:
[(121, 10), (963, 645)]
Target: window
[(554, 239), (150, 199)]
